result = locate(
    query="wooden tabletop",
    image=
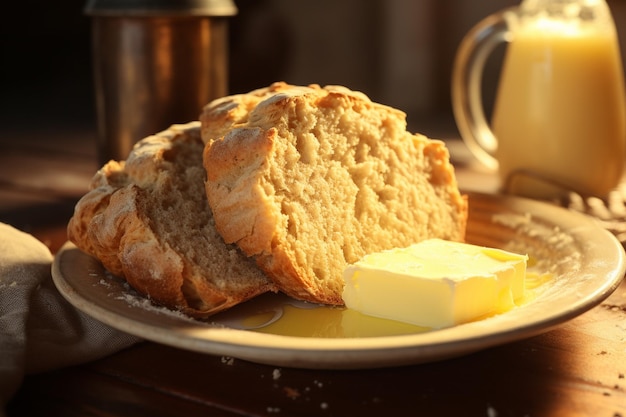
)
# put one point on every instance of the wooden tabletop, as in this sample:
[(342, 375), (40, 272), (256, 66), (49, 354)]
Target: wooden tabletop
[(577, 369)]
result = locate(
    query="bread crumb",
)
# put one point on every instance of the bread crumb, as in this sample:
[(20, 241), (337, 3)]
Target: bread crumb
[(104, 283), (292, 393), (227, 360), (276, 374), (273, 409), (324, 406), (491, 412)]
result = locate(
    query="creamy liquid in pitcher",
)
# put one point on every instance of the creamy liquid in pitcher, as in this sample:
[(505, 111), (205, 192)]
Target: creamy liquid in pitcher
[(560, 111)]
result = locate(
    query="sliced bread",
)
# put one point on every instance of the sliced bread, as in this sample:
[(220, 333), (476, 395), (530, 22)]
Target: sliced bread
[(308, 180), (147, 220)]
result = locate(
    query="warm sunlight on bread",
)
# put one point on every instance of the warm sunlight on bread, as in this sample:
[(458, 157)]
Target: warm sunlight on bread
[(307, 180)]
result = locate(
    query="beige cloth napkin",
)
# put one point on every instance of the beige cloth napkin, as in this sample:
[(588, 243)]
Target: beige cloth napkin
[(39, 329)]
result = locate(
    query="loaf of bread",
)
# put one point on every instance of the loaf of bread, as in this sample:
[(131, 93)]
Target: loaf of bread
[(147, 220), (308, 180)]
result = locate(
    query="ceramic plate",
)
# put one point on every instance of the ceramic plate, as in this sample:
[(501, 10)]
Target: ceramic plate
[(574, 265)]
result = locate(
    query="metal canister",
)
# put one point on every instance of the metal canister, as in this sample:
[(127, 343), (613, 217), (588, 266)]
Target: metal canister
[(156, 63)]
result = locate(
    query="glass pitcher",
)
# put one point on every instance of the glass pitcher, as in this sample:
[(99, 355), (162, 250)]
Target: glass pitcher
[(559, 119)]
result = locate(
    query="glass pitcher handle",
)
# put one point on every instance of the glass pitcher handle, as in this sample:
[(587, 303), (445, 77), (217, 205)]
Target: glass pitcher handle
[(467, 72)]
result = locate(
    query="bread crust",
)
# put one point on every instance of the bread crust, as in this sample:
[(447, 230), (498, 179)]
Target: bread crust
[(128, 220), (280, 143)]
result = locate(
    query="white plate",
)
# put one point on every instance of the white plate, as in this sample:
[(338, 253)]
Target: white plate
[(586, 264)]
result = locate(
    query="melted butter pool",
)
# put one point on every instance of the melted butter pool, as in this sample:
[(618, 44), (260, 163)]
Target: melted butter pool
[(280, 315)]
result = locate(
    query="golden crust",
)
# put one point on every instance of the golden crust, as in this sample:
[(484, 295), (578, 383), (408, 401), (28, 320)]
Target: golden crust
[(147, 220), (232, 172)]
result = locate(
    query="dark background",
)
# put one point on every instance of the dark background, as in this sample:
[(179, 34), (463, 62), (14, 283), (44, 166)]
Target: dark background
[(399, 52), (45, 71), (46, 76)]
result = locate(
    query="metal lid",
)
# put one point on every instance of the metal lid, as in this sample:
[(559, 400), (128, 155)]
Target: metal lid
[(160, 8)]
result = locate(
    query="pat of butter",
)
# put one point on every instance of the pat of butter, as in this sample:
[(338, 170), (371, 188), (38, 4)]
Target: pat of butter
[(435, 283)]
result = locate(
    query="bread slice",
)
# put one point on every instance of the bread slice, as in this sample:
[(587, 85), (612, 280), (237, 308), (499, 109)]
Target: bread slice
[(147, 220), (308, 180)]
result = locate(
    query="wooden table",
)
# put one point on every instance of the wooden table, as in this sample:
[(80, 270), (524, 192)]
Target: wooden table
[(577, 369)]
